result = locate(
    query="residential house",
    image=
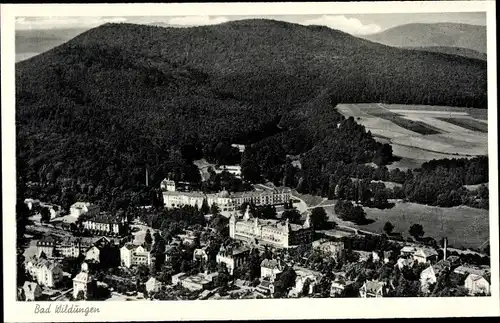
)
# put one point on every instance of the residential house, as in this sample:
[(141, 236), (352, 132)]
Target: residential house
[(466, 270), (373, 288), (72, 247), (338, 284), (153, 285), (200, 254), (80, 208), (46, 245), (430, 275), (407, 251), (265, 287), (232, 257), (176, 279), (199, 281), (46, 272), (270, 268), (32, 291), (303, 277), (375, 256), (132, 255), (425, 255), (404, 262), (93, 254), (84, 282), (478, 284)]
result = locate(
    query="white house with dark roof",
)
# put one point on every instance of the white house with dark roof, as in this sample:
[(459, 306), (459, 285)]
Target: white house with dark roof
[(270, 268), (80, 208), (153, 285), (46, 272), (132, 255), (373, 288), (477, 284), (232, 257), (425, 255)]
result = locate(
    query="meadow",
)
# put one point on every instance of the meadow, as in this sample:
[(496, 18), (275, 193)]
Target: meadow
[(462, 225)]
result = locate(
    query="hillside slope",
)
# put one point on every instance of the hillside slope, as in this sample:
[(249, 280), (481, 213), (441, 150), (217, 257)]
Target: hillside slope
[(465, 52), (100, 107), (431, 35)]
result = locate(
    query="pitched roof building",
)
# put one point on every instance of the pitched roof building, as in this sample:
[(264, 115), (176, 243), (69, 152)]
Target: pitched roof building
[(275, 233)]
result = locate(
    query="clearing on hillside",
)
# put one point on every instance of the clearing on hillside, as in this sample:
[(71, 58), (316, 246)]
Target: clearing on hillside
[(421, 133)]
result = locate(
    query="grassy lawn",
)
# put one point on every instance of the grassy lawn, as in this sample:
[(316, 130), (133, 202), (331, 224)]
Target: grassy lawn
[(464, 226)]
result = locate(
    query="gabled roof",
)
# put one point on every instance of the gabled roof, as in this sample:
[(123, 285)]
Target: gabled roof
[(426, 252), (475, 277), (373, 286)]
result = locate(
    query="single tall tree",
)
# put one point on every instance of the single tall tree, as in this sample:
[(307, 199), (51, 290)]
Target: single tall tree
[(388, 227), (416, 231)]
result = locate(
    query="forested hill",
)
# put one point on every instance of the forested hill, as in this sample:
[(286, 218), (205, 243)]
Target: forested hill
[(100, 107), (470, 53), (431, 35)]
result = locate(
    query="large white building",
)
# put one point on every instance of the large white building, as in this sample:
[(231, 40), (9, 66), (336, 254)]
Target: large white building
[(275, 233), (80, 208), (132, 255), (105, 224), (232, 169), (227, 202)]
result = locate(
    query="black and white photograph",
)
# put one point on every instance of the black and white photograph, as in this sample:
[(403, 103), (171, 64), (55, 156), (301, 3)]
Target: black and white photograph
[(166, 158)]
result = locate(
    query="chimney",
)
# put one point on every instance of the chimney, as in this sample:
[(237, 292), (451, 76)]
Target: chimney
[(147, 177), (445, 242)]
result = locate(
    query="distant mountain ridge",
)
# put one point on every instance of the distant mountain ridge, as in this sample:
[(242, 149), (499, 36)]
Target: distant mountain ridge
[(433, 35)]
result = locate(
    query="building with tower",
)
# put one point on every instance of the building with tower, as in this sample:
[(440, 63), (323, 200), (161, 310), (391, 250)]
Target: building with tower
[(84, 282), (233, 257), (226, 201), (274, 233)]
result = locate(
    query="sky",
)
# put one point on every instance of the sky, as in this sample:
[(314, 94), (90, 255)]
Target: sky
[(356, 24)]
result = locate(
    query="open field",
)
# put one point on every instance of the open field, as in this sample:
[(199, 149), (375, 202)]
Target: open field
[(421, 133), (464, 226), (470, 124)]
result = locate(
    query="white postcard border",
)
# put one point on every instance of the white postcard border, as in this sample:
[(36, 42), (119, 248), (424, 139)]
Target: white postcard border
[(239, 309)]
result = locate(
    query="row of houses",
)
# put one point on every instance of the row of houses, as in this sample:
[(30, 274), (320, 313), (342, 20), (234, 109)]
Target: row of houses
[(73, 247)]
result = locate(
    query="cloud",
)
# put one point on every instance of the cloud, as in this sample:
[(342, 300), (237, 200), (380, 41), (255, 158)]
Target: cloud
[(23, 23), (349, 25), (196, 20)]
